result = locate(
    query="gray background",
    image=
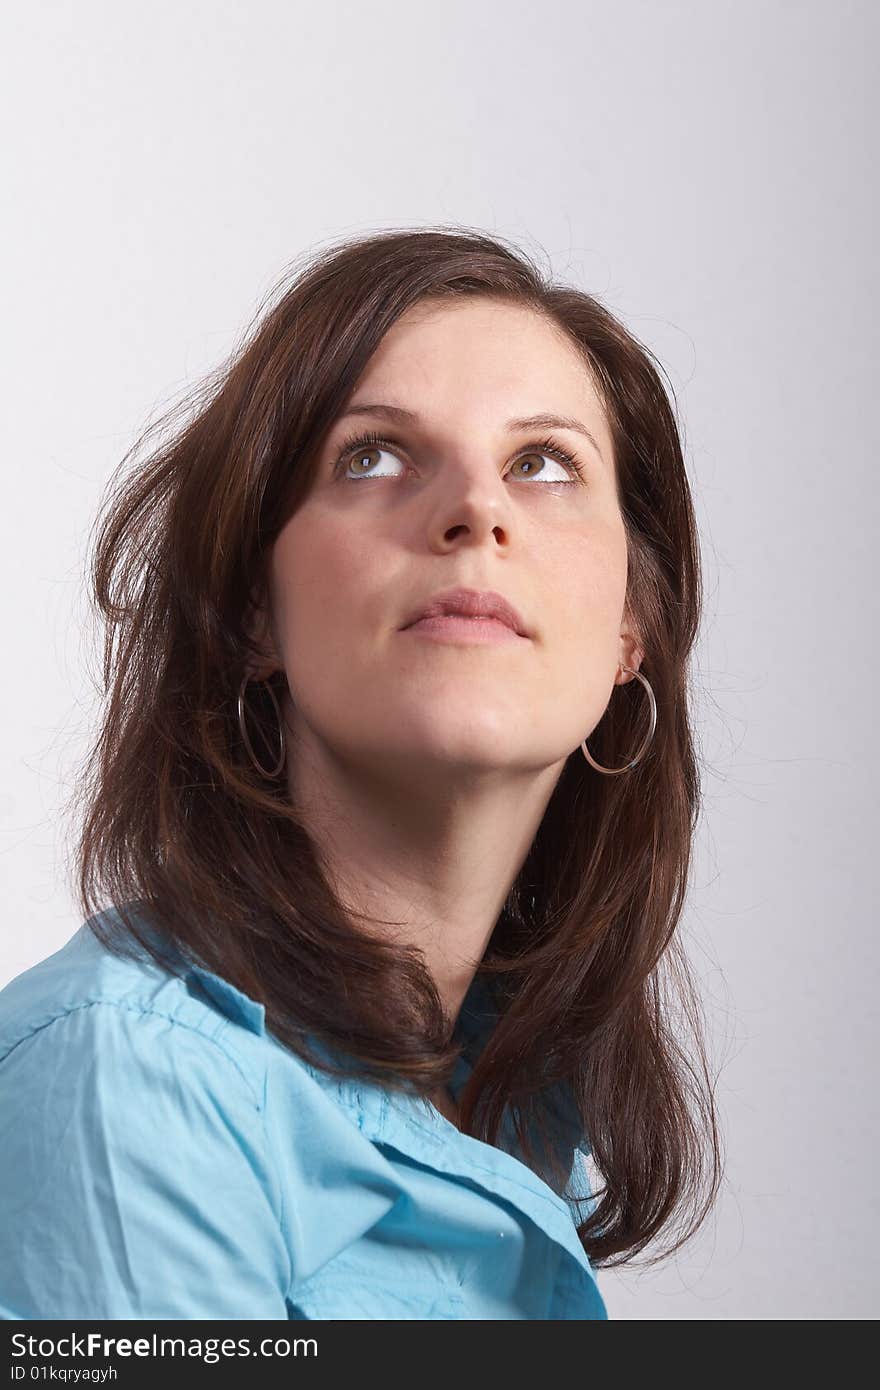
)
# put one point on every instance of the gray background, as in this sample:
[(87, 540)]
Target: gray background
[(703, 167)]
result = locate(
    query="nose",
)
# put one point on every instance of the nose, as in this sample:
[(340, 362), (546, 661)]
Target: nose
[(467, 494)]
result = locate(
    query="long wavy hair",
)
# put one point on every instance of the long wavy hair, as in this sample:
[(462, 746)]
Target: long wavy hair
[(585, 965)]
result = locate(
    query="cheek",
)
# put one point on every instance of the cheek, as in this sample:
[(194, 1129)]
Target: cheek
[(322, 576), (590, 574)]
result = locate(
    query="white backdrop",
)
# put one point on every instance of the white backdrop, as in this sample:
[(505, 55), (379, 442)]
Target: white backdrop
[(703, 167)]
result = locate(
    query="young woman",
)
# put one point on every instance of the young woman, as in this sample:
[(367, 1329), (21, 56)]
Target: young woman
[(367, 1017)]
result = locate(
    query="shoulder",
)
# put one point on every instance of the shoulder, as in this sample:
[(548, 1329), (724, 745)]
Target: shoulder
[(120, 1013), (132, 1132), (161, 1154)]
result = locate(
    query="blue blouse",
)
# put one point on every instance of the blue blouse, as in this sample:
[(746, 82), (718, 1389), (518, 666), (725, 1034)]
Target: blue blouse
[(163, 1156)]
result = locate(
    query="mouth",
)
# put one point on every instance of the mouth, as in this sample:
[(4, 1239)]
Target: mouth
[(469, 606)]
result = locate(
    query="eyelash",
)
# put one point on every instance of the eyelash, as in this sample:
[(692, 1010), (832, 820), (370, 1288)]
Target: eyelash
[(370, 439)]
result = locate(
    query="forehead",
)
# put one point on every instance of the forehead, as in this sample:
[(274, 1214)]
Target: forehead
[(479, 353)]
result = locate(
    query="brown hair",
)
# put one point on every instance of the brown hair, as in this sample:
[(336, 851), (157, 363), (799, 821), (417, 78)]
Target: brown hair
[(176, 817)]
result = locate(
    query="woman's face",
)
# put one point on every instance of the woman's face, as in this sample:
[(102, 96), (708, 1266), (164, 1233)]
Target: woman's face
[(459, 498)]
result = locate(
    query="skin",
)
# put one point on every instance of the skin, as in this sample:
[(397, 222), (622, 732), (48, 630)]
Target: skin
[(423, 769)]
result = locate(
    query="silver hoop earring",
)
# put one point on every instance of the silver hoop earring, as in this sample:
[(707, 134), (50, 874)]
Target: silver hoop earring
[(270, 776), (614, 771)]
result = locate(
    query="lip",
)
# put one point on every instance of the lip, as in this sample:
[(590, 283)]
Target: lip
[(469, 603), (460, 631)]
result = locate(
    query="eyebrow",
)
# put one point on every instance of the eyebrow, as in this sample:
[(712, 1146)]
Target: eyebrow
[(542, 421)]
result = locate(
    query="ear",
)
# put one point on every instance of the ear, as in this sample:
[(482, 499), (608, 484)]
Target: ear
[(257, 624), (630, 653)]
